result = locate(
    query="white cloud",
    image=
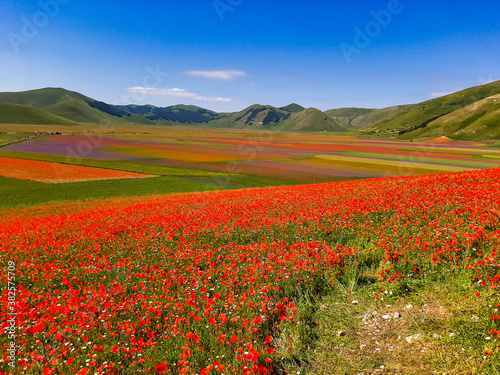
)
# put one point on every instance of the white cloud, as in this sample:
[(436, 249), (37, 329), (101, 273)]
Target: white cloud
[(217, 74), (439, 94), (180, 93)]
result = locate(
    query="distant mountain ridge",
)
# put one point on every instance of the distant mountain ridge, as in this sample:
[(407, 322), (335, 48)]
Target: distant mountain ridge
[(70, 105), (60, 106), (176, 113), (470, 114)]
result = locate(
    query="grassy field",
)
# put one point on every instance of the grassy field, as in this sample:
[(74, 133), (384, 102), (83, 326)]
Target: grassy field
[(19, 193), (189, 159)]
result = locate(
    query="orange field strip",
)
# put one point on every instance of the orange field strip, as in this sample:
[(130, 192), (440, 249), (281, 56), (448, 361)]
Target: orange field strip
[(41, 171)]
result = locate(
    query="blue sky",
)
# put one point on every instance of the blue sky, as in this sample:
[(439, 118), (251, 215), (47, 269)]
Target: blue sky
[(227, 54)]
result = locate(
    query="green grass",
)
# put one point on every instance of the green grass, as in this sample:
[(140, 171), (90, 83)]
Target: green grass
[(340, 329), (23, 114), (12, 137), (19, 193)]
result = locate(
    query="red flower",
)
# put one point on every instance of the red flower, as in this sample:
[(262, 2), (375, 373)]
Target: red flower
[(161, 367), (206, 370)]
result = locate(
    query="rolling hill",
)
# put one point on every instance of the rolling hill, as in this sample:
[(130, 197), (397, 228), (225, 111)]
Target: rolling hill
[(294, 107), (408, 122), (70, 105), (470, 114), (255, 116), (313, 120), (292, 119), (480, 120), (57, 106), (23, 114), (357, 118)]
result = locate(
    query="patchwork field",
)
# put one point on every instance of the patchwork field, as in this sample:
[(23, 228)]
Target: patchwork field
[(190, 159)]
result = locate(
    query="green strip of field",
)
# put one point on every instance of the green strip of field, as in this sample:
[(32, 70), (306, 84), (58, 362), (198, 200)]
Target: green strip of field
[(422, 159), (401, 163), (19, 193)]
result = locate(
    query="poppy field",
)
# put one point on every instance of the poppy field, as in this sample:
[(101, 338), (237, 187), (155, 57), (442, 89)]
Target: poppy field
[(240, 281), (58, 173)]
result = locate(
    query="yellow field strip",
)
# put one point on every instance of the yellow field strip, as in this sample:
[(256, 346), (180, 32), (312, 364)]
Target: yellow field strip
[(393, 163)]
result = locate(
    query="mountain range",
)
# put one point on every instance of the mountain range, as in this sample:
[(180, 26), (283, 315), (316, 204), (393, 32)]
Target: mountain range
[(470, 114)]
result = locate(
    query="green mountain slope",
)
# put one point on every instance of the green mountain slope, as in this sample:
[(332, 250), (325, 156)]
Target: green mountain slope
[(137, 109), (376, 115), (264, 116), (313, 120), (357, 118), (418, 116), (23, 114), (70, 105), (255, 116), (173, 114), (347, 115), (477, 121)]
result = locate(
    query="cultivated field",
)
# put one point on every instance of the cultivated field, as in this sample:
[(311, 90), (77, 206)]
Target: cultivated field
[(40, 171), (191, 159)]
